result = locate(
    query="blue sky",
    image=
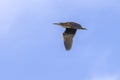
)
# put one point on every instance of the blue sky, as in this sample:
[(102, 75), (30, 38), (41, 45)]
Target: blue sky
[(31, 47)]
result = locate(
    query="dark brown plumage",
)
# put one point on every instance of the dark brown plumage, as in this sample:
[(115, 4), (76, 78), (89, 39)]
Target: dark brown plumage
[(71, 28)]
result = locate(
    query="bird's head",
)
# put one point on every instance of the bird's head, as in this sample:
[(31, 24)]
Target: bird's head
[(65, 25)]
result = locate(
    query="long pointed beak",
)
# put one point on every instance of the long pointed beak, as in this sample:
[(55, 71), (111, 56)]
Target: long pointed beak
[(56, 23)]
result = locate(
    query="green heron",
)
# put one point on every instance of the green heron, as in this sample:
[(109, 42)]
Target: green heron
[(71, 28)]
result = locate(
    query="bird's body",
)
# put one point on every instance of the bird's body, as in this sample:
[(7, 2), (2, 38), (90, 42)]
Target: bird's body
[(71, 28)]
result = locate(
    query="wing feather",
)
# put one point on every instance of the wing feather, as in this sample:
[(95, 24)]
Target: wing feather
[(68, 37)]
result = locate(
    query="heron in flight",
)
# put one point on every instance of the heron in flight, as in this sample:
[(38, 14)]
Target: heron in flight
[(71, 28)]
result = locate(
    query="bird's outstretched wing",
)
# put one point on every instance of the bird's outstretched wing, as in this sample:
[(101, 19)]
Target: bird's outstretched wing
[(68, 37)]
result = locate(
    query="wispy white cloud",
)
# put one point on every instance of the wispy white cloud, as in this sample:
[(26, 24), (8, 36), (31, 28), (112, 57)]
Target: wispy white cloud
[(11, 9), (91, 4), (106, 77), (99, 70)]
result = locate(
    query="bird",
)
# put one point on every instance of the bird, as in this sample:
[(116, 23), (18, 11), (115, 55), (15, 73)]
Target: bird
[(69, 33)]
